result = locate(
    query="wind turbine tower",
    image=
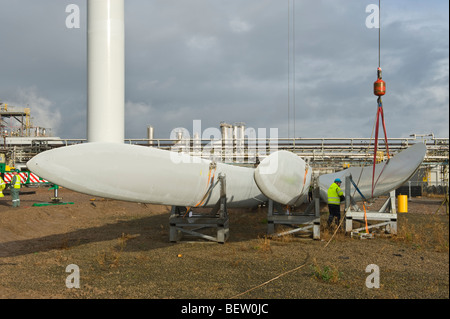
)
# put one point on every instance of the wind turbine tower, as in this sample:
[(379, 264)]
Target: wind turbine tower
[(106, 71)]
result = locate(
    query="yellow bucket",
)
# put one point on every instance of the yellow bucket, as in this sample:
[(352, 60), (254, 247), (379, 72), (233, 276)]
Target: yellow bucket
[(402, 203)]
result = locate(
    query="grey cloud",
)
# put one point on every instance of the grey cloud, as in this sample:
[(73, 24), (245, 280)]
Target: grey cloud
[(227, 61)]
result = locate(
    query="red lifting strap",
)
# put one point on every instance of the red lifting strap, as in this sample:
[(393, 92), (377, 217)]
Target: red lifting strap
[(379, 113)]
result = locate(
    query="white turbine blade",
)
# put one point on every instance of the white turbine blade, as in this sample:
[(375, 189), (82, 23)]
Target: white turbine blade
[(390, 175), (283, 177), (144, 174)]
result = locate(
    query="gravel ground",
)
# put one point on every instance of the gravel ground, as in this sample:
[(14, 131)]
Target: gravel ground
[(122, 250)]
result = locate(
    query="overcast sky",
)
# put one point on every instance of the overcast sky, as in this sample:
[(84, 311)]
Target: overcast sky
[(233, 61)]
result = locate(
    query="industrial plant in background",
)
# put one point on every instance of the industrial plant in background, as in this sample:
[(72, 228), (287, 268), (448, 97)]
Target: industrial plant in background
[(21, 140)]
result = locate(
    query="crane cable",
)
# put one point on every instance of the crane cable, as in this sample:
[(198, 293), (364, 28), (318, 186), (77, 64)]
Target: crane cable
[(379, 84), (291, 47), (379, 90)]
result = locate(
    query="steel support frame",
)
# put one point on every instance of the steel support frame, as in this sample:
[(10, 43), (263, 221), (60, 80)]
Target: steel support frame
[(387, 214), (195, 224), (309, 220)]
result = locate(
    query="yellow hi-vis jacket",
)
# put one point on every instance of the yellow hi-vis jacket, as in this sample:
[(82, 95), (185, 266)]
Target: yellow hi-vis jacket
[(16, 182), (334, 194), (2, 187)]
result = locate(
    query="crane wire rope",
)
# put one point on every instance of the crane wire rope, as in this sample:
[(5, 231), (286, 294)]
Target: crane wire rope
[(379, 33), (289, 67), (293, 61), (379, 90), (289, 58), (374, 128)]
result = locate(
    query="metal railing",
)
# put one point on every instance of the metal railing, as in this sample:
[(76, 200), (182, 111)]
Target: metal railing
[(318, 151)]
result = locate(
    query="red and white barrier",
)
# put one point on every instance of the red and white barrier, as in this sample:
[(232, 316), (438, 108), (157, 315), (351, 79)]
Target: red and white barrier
[(34, 179)]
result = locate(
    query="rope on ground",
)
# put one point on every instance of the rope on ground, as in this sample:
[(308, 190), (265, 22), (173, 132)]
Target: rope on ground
[(265, 283), (337, 228), (275, 278)]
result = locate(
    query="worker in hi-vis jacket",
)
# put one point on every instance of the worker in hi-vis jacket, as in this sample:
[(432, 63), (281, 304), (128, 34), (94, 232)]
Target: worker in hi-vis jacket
[(15, 189), (335, 195), (2, 186)]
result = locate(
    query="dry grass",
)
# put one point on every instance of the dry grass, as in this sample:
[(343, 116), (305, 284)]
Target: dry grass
[(263, 244), (111, 258), (431, 233), (251, 265), (325, 273)]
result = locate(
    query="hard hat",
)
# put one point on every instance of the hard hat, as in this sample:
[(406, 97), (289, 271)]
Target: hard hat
[(337, 180)]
